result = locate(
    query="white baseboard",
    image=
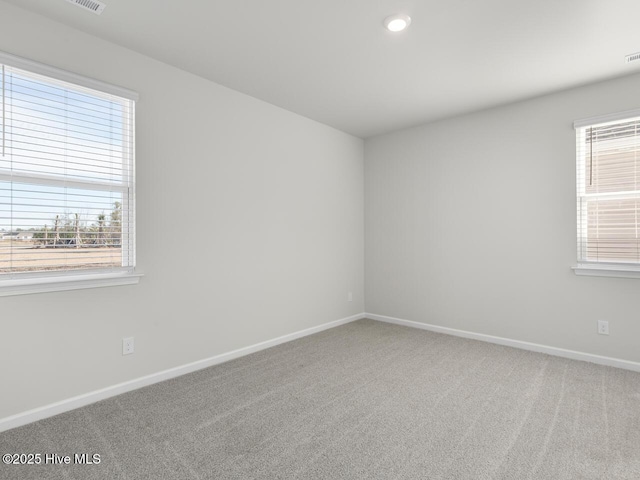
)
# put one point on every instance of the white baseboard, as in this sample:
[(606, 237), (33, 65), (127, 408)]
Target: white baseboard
[(534, 347), (29, 416)]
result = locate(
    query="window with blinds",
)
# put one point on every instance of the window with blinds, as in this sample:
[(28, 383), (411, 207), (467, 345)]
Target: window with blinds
[(66, 177), (608, 175)]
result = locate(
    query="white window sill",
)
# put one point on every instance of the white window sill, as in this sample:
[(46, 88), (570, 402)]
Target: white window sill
[(66, 282), (607, 270)]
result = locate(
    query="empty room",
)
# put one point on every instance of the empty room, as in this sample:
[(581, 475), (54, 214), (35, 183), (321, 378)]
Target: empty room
[(390, 239)]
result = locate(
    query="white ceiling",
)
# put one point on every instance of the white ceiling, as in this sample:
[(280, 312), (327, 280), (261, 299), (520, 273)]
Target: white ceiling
[(332, 61)]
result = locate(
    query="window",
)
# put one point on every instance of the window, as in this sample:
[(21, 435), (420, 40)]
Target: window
[(67, 182), (608, 190)]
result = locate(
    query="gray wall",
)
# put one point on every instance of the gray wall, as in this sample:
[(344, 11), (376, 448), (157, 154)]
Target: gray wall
[(471, 224), (250, 226)]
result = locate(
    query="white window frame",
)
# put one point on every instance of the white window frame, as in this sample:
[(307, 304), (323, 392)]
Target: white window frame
[(27, 283), (583, 267)]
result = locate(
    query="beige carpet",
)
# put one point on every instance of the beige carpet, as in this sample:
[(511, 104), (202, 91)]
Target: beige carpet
[(365, 400)]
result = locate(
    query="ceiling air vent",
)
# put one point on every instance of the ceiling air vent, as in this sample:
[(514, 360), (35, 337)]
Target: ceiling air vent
[(91, 5), (634, 57)]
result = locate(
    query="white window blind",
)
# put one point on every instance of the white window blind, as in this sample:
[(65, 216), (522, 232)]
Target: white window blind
[(67, 191), (608, 189)]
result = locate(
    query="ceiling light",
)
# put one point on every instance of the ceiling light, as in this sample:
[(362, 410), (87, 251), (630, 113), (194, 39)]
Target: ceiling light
[(397, 23)]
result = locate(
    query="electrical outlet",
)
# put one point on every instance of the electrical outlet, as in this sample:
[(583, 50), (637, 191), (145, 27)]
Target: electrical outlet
[(603, 327), (350, 296), (127, 346)]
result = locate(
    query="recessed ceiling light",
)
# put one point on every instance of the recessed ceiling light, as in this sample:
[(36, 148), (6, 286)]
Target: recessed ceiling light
[(397, 23)]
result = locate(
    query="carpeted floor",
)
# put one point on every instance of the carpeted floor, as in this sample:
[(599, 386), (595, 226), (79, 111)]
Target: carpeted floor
[(365, 400)]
